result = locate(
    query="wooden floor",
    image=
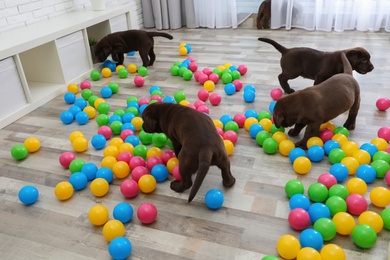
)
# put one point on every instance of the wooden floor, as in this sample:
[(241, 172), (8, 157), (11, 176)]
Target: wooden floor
[(254, 214)]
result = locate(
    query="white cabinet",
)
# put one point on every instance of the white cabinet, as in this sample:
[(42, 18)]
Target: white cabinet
[(119, 23)]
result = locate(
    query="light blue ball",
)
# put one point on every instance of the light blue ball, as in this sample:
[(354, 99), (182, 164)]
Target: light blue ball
[(98, 141), (295, 153), (106, 92), (78, 180), (230, 89), (255, 129), (339, 171), (133, 104), (330, 145), (142, 107), (90, 169), (123, 212), (75, 110), (109, 64), (189, 48), (132, 139), (226, 118), (249, 96), (28, 195), (366, 172), (370, 148), (127, 117), (153, 88), (249, 88), (105, 173), (315, 153), (160, 172), (271, 107), (169, 99), (81, 103), (318, 210), (69, 97), (129, 126), (311, 238), (82, 118), (120, 248), (66, 117), (299, 201), (214, 199), (251, 113), (114, 118)]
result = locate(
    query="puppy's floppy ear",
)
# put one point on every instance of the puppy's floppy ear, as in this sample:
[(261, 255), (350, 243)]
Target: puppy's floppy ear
[(352, 56), (278, 119), (150, 122)]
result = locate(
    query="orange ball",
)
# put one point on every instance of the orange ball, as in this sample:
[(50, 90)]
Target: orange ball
[(218, 123), (184, 102), (332, 252), (153, 151), (371, 219), (126, 147), (183, 51), (279, 137), (91, 111), (209, 85), (99, 187), (349, 147), (340, 138), (345, 223), (356, 185), (302, 165), (288, 246), (132, 68), (351, 163), (266, 123), (362, 156), (329, 125), (116, 141)]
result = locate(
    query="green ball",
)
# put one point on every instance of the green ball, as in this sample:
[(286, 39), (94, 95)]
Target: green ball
[(159, 139), (341, 130), (19, 151), (326, 227), (120, 112), (169, 144), (381, 168), (140, 150), (274, 129), (114, 87), (187, 75), (336, 204), (318, 192), (102, 119), (338, 190), (103, 108), (179, 96), (157, 92), (174, 70), (231, 125), (142, 71), (364, 236), (227, 78), (76, 165), (385, 215), (381, 155), (263, 114), (182, 70), (236, 74), (293, 187), (336, 155), (94, 75), (261, 136), (270, 257), (227, 70), (86, 93), (270, 145), (218, 72), (133, 110), (92, 99), (145, 138), (122, 73), (116, 127), (177, 63), (131, 99)]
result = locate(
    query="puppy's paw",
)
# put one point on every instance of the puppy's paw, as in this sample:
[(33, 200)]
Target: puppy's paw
[(293, 132), (229, 183), (177, 186), (289, 91), (349, 126), (301, 144)]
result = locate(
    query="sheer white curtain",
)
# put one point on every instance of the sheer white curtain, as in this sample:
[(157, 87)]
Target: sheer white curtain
[(216, 13), (327, 15)]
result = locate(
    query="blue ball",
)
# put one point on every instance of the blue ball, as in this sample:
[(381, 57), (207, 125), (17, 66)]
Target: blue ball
[(233, 67), (315, 153), (330, 145), (131, 53), (271, 107), (127, 117), (214, 199), (255, 129), (128, 126), (339, 171), (160, 172), (133, 104), (28, 195), (109, 64), (295, 153), (106, 92), (82, 118), (123, 212), (153, 88), (186, 62), (249, 96), (249, 88), (98, 141), (311, 238), (230, 89), (141, 108), (75, 110), (81, 103), (120, 248), (251, 113), (67, 117), (188, 47), (132, 139), (169, 99), (105, 173), (69, 97), (225, 118), (78, 180), (370, 148), (318, 210), (89, 169), (299, 201), (366, 172), (113, 118)]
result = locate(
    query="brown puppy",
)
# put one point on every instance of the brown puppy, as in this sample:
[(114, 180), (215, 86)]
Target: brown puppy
[(119, 43), (264, 15), (318, 104), (317, 65), (195, 140)]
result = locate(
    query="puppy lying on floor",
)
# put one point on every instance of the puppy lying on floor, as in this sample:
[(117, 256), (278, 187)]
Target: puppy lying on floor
[(195, 140), (318, 65), (119, 43), (318, 104)]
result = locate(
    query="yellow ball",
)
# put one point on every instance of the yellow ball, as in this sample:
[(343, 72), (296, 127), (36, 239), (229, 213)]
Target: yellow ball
[(74, 135), (221, 67), (106, 72), (132, 68), (380, 196), (371, 219), (349, 147), (182, 44), (314, 141), (380, 143), (111, 150), (218, 123), (266, 123), (209, 85), (112, 229), (73, 88), (285, 147), (356, 185), (121, 169), (171, 163), (91, 111), (332, 252), (345, 223), (288, 246), (249, 122), (137, 122), (116, 141), (153, 151), (183, 51), (98, 215), (362, 156), (308, 253), (63, 190), (302, 165), (329, 125), (99, 187), (340, 138), (227, 65), (126, 147), (351, 163), (279, 137), (229, 147), (32, 144), (119, 67), (184, 102), (147, 183), (97, 102), (108, 161), (80, 144)]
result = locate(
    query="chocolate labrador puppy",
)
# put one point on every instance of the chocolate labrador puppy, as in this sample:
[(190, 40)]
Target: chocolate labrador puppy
[(317, 65), (119, 43), (318, 104), (264, 15), (195, 140)]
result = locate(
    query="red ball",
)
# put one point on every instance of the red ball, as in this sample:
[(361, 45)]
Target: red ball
[(326, 134), (203, 109), (207, 71), (384, 133), (203, 94), (276, 93), (215, 99), (231, 136), (242, 69), (327, 179), (66, 158), (85, 84), (129, 188), (152, 161), (299, 219), (147, 213), (239, 119), (139, 81), (214, 77), (193, 66), (166, 155), (238, 84), (383, 104), (356, 204)]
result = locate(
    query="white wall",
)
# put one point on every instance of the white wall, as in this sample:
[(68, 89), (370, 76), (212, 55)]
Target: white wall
[(19, 13)]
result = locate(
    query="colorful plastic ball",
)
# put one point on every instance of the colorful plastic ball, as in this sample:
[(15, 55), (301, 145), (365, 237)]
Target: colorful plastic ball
[(183, 51), (325, 135), (345, 223), (276, 93), (295, 153), (330, 145), (356, 185), (380, 196), (103, 108), (231, 136), (381, 168), (229, 147), (327, 179), (129, 188), (78, 180), (99, 187), (380, 143), (28, 195), (160, 172), (80, 144), (120, 248), (288, 246), (94, 75), (153, 161), (270, 145), (383, 104), (121, 169), (336, 155), (112, 229), (230, 89), (299, 201), (341, 130), (366, 172), (82, 118), (293, 187), (98, 215), (326, 227), (214, 199), (318, 210), (385, 215), (147, 213), (299, 219), (114, 87), (362, 156), (317, 192), (102, 120), (270, 257), (215, 99), (19, 151), (382, 155), (106, 72), (302, 165), (90, 111), (85, 85), (106, 92), (371, 219), (66, 158), (332, 252), (336, 204), (351, 163), (142, 71), (140, 150), (262, 136), (340, 138), (67, 117), (364, 236), (242, 69), (308, 253), (187, 75), (356, 204), (63, 190), (338, 190), (139, 81), (69, 97), (74, 135), (89, 170), (159, 139), (76, 165), (315, 153), (98, 141), (249, 96), (340, 171), (147, 183), (227, 78), (138, 172), (311, 238)]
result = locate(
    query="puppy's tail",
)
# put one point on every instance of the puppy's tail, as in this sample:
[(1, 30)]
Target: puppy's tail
[(205, 157), (277, 46), (347, 66), (161, 34)]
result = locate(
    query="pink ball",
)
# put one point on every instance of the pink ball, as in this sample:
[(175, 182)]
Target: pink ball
[(199, 102), (326, 134), (129, 188), (387, 178), (239, 119), (136, 161), (384, 133), (214, 77), (139, 81), (125, 133), (356, 204), (207, 71), (147, 213), (124, 157), (215, 99), (193, 66), (383, 104), (85, 84), (231, 136), (220, 131), (190, 58), (203, 94), (299, 219), (105, 131), (143, 101), (276, 93), (166, 155), (242, 69), (197, 73), (203, 109), (238, 84), (176, 173), (152, 161), (138, 172), (327, 179), (156, 97), (202, 78), (191, 106), (66, 158)]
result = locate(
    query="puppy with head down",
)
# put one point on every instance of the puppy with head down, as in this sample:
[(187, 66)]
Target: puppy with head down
[(318, 104), (195, 140)]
